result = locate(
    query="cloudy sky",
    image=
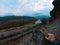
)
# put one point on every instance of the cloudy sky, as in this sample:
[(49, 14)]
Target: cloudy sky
[(25, 7)]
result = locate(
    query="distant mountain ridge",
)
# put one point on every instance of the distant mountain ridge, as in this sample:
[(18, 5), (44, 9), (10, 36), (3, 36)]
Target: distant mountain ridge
[(40, 15), (33, 16), (12, 18)]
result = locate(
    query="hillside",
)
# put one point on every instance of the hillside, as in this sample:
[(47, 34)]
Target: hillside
[(14, 21), (11, 18)]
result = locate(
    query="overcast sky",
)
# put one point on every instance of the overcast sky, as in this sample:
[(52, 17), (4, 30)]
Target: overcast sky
[(23, 7)]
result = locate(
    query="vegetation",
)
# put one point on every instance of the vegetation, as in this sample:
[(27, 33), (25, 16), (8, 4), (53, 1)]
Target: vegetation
[(13, 21)]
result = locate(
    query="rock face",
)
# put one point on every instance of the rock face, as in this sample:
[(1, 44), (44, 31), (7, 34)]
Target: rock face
[(54, 26), (56, 10), (55, 13)]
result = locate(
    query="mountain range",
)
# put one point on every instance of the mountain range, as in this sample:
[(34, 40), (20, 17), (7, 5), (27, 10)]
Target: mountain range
[(12, 18)]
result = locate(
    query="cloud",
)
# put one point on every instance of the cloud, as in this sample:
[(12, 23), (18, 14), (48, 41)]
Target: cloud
[(21, 7)]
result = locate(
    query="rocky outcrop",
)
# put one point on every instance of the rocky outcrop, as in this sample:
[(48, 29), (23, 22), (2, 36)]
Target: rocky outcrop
[(54, 26), (55, 13)]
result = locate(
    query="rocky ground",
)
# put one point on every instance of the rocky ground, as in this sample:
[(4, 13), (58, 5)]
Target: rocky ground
[(35, 37), (23, 27), (22, 41)]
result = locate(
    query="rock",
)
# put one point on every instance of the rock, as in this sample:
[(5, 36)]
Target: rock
[(56, 10), (55, 13), (53, 26)]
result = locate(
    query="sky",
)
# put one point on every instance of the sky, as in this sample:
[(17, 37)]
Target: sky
[(25, 7)]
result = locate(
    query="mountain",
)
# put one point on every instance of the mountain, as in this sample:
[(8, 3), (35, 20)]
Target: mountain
[(15, 21), (40, 15), (12, 18)]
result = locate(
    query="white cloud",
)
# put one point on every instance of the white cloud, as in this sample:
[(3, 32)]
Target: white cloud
[(37, 7), (17, 7)]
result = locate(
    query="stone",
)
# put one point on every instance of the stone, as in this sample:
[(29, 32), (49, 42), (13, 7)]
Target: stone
[(55, 13)]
